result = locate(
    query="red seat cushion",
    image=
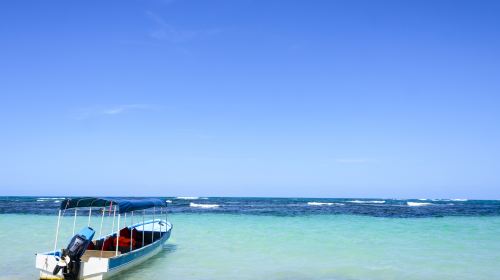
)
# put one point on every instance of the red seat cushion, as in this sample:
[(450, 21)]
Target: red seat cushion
[(125, 232), (135, 234), (124, 242), (108, 244)]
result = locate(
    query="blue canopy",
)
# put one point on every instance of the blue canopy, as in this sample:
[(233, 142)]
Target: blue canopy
[(124, 204)]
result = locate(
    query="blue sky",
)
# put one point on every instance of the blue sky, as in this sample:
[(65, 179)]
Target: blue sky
[(250, 98)]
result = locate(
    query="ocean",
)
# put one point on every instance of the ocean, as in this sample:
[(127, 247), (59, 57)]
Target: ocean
[(286, 238)]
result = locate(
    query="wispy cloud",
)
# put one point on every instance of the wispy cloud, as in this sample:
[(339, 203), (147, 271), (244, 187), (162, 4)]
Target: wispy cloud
[(166, 31), (95, 111)]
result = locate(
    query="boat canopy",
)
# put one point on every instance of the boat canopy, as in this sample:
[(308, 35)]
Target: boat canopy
[(124, 204)]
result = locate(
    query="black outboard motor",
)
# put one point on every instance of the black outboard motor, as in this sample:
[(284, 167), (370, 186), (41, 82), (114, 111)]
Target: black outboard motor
[(70, 258)]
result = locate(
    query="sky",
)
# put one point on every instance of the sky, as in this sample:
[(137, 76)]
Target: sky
[(394, 99)]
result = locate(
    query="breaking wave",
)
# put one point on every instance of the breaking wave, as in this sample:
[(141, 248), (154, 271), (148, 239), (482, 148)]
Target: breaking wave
[(366, 201), (196, 205), (409, 203), (314, 203)]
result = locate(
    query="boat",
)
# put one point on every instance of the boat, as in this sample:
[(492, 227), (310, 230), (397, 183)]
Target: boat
[(126, 245)]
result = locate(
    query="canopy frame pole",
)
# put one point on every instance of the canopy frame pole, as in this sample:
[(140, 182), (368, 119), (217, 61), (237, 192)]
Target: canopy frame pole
[(100, 229), (117, 235), (143, 227), (113, 225), (90, 214), (161, 212), (131, 229), (57, 230), (153, 227), (74, 223)]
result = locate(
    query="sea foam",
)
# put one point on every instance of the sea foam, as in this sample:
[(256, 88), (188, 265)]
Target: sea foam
[(188, 197), (314, 203), (366, 201), (409, 203), (196, 205)]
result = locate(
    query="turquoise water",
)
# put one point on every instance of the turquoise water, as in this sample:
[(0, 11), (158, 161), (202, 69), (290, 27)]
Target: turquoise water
[(228, 246)]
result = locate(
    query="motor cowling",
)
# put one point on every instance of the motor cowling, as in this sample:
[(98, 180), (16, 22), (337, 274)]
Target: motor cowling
[(71, 256)]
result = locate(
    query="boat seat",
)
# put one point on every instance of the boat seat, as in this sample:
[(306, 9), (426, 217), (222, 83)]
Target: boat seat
[(97, 254), (108, 244)]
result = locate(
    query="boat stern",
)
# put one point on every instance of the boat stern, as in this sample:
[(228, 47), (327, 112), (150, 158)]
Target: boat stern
[(46, 263), (93, 268)]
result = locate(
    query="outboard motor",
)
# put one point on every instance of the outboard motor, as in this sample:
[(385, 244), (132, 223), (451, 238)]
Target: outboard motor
[(70, 258)]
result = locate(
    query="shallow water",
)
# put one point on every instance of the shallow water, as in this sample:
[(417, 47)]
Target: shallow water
[(284, 238), (228, 246)]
